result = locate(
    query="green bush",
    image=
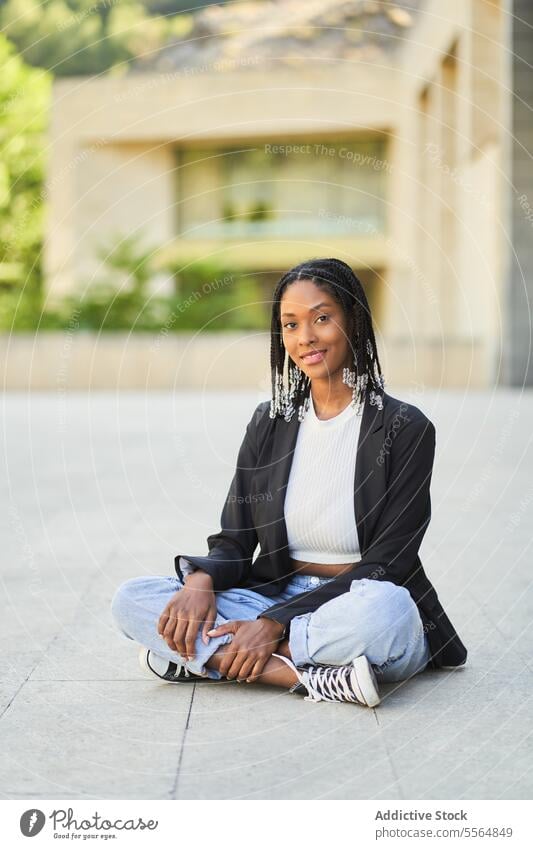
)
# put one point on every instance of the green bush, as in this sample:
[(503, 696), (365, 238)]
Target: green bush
[(208, 297), (24, 104), (214, 298)]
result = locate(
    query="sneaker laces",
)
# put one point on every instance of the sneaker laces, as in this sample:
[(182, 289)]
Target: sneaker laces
[(325, 683), (179, 668), (330, 684)]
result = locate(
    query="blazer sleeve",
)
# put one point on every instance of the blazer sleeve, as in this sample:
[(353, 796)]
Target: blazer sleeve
[(231, 549), (392, 553)]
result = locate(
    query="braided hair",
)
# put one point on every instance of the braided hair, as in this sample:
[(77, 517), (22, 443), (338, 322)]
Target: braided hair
[(338, 279)]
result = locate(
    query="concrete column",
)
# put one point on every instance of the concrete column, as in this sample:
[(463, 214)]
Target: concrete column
[(114, 190), (518, 330)]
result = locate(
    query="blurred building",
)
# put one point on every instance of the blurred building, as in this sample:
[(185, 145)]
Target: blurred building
[(394, 137)]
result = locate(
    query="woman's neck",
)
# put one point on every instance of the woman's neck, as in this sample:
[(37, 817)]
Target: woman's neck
[(329, 397)]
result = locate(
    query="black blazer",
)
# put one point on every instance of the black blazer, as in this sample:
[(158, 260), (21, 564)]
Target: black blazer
[(392, 510)]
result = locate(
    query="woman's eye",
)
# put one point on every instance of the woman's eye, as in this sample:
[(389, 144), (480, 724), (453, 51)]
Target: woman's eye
[(293, 322)]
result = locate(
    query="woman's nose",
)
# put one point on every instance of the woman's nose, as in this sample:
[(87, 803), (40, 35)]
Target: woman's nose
[(307, 337)]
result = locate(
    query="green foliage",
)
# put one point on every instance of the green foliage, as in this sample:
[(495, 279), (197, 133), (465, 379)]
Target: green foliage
[(91, 36), (118, 301), (212, 297), (85, 37), (24, 101), (208, 297)]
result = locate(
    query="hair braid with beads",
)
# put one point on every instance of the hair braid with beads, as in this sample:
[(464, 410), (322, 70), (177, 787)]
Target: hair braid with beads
[(337, 278)]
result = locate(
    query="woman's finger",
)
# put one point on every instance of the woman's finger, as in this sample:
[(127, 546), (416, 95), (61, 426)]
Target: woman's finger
[(208, 624), (169, 629), (179, 637), (163, 619), (256, 672), (190, 639), (233, 671), (227, 659), (230, 627), (219, 631), (246, 667)]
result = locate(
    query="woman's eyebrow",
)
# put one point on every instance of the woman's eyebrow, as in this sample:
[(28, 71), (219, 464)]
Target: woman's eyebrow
[(322, 304)]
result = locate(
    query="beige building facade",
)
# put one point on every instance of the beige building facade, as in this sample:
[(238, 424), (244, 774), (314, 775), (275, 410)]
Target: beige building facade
[(398, 165)]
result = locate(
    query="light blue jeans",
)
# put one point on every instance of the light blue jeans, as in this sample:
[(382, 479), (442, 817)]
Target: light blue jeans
[(376, 618)]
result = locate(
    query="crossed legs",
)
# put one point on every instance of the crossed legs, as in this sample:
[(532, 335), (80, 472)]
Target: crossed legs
[(377, 619)]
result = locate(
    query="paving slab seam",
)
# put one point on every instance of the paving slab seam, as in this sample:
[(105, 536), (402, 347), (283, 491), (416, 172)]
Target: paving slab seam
[(28, 676), (174, 788), (317, 769), (414, 706), (79, 606), (391, 762)]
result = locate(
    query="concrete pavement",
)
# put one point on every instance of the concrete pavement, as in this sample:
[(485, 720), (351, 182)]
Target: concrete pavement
[(98, 488)]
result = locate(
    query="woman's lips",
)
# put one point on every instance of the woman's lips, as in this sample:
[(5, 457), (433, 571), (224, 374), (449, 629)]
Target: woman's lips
[(315, 357)]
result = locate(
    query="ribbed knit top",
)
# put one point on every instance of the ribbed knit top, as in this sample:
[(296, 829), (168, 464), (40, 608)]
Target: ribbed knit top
[(319, 502)]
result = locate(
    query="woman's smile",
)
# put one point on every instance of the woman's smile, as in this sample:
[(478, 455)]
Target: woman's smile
[(314, 356)]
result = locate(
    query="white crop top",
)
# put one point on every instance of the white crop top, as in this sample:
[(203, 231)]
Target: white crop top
[(319, 502)]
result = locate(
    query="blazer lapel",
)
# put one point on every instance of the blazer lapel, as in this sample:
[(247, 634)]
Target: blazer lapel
[(285, 435), (367, 469)]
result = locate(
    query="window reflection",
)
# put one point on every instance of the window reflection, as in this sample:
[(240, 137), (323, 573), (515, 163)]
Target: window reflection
[(320, 188)]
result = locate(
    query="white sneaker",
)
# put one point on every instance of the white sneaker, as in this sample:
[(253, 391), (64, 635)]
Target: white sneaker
[(355, 682)]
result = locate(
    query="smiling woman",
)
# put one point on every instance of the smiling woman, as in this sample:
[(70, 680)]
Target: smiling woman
[(323, 332), (337, 599), (316, 335)]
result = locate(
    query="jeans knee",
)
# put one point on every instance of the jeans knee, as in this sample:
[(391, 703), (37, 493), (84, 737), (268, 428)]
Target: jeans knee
[(395, 620), (376, 618), (390, 610), (123, 601)]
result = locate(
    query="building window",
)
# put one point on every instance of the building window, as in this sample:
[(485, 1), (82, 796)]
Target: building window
[(301, 189)]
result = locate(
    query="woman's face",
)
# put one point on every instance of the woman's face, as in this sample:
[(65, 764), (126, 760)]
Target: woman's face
[(313, 321)]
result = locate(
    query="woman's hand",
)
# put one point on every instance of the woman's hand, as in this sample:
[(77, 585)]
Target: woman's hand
[(251, 647), (179, 621)]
